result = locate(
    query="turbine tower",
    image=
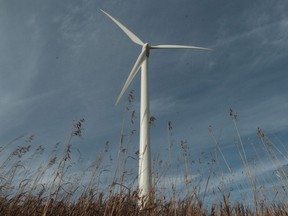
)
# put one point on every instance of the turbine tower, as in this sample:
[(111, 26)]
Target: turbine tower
[(145, 179)]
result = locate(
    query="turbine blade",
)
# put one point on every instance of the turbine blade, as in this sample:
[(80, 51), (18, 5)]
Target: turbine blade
[(131, 35), (177, 47), (132, 74)]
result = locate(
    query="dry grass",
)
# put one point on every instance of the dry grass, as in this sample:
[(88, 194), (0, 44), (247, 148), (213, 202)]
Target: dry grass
[(126, 204), (53, 188)]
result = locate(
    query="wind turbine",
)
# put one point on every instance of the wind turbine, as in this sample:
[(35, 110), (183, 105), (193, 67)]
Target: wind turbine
[(145, 180)]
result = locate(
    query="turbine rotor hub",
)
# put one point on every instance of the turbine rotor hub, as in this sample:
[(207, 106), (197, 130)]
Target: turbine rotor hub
[(147, 47)]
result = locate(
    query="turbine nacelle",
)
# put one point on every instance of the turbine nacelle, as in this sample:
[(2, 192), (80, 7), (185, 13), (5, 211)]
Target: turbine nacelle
[(147, 48)]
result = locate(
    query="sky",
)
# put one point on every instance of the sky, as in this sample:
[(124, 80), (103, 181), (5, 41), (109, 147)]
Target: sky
[(65, 60)]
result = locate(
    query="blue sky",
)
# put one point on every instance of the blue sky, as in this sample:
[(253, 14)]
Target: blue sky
[(65, 60)]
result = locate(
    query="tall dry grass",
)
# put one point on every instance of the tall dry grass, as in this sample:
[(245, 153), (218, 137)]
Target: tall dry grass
[(207, 185)]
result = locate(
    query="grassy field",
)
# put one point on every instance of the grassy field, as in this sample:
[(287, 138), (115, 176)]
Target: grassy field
[(53, 187)]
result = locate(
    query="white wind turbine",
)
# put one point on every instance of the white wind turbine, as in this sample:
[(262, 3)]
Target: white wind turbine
[(145, 181)]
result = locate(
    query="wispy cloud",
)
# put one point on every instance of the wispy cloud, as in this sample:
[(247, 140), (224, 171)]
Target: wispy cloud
[(77, 24)]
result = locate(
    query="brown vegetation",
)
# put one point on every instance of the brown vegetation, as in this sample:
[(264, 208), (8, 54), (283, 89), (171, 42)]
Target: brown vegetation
[(24, 191)]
